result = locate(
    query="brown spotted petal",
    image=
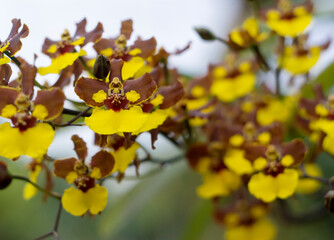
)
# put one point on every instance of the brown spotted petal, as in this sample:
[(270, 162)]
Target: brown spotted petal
[(7, 96), (144, 85), (63, 167), (85, 88), (46, 45), (296, 148), (147, 47), (91, 36), (15, 36), (116, 69), (5, 73), (195, 153), (126, 28), (252, 152), (66, 74), (80, 147), (172, 94), (104, 161), (53, 100), (28, 76), (104, 44)]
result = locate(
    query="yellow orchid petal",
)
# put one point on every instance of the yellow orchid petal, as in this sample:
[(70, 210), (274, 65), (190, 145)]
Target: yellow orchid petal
[(236, 140), (29, 190), (228, 90), (153, 120), (219, 72), (100, 96), (109, 122), (2, 49), (157, 100), (40, 112), (32, 142), (131, 67), (78, 41), (8, 111), (4, 60), (236, 37), (218, 184), (107, 52), (251, 26), (198, 91), (71, 177), (132, 96), (196, 103), (234, 160), (123, 157), (61, 62), (260, 163), (52, 49), (268, 188), (78, 203), (286, 183), (296, 64), (134, 52), (287, 160), (96, 173), (288, 27), (262, 229), (264, 137), (197, 121)]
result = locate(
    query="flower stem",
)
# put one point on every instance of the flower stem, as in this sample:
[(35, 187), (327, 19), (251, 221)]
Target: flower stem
[(51, 194)]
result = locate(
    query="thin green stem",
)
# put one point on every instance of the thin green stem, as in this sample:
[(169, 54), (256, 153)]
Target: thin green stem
[(86, 66), (259, 56), (14, 59), (80, 114), (51, 194)]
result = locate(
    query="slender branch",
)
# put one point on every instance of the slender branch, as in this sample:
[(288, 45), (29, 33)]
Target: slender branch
[(173, 141), (51, 194), (54, 231), (69, 123), (259, 56), (74, 112), (86, 66), (319, 179), (222, 41), (14, 59)]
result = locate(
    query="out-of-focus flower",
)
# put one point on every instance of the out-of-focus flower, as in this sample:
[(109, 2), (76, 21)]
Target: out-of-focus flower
[(13, 42), (63, 52), (28, 136), (288, 20), (248, 35), (133, 56), (277, 179), (89, 196), (309, 186), (299, 59)]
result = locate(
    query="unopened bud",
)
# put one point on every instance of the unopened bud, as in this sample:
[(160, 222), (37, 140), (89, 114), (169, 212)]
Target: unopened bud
[(101, 67), (5, 178), (329, 201), (205, 34)]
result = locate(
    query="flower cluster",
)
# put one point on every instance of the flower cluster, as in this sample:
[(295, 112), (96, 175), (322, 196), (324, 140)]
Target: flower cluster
[(249, 139)]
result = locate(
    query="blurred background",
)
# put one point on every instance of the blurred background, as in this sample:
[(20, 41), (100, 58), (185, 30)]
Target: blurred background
[(164, 205)]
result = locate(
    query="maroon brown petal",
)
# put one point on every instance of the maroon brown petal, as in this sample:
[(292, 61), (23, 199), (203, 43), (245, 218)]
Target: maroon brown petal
[(195, 152), (116, 66), (91, 36), (147, 47), (296, 148), (53, 99), (7, 96), (5, 73), (126, 28), (252, 152), (80, 147), (28, 76), (204, 82), (104, 161), (63, 167), (144, 85), (15, 36), (104, 44), (46, 45), (86, 87), (172, 94)]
